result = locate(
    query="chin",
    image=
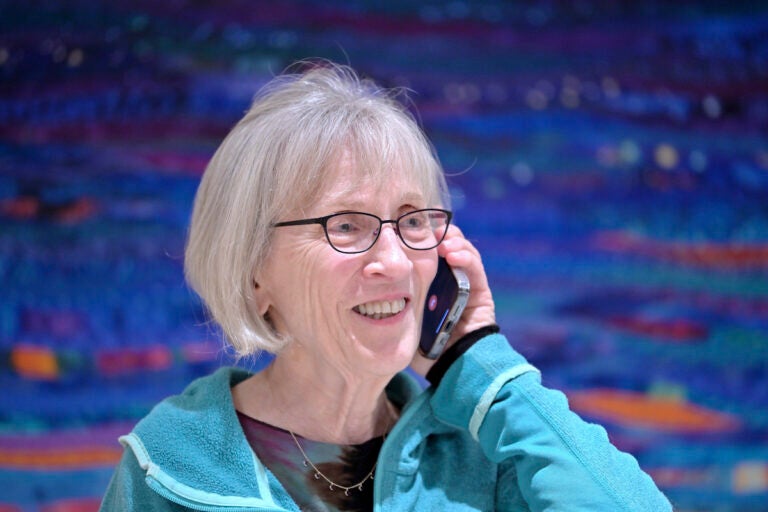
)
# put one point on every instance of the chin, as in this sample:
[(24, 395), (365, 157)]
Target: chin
[(390, 358)]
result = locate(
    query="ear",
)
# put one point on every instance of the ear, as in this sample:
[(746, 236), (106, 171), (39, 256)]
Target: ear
[(261, 299)]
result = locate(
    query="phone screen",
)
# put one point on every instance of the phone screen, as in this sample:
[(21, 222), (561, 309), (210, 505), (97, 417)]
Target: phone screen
[(446, 299)]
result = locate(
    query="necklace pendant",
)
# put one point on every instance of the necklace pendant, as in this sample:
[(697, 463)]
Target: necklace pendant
[(331, 485)]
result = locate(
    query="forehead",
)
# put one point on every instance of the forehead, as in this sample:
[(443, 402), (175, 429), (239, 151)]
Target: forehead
[(350, 182)]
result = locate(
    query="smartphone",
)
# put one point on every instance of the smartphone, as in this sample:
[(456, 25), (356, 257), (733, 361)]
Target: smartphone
[(446, 299)]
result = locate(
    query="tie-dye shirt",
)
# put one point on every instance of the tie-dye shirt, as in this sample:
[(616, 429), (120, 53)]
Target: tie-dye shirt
[(345, 465)]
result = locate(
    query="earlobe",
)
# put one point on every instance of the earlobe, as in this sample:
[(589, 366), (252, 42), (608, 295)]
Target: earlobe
[(260, 298)]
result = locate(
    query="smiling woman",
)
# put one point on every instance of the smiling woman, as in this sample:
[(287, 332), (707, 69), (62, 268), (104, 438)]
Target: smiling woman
[(313, 294), (280, 159), (315, 235)]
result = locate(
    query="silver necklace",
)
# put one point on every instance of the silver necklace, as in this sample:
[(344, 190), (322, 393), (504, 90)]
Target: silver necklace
[(331, 484)]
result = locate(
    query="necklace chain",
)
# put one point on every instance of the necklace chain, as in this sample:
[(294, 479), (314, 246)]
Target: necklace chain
[(331, 484)]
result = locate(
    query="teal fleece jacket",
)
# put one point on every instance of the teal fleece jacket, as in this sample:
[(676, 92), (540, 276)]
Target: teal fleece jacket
[(488, 437)]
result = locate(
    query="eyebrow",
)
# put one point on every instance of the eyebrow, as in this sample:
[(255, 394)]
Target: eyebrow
[(341, 202)]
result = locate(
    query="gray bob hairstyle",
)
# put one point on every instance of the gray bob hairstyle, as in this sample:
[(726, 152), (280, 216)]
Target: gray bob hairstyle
[(277, 158)]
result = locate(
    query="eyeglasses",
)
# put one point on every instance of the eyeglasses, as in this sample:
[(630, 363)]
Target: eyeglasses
[(356, 232)]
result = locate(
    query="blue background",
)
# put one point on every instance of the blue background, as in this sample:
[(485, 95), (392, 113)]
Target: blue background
[(609, 158)]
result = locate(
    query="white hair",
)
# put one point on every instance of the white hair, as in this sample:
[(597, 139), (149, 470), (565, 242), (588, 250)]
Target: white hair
[(275, 159)]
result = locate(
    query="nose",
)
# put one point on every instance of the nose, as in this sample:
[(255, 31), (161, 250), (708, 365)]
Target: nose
[(389, 255)]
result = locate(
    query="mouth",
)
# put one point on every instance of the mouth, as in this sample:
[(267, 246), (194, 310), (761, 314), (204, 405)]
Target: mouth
[(381, 308)]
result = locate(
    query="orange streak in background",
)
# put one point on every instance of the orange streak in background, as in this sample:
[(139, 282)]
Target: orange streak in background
[(73, 505), (733, 255), (33, 362), (708, 254), (640, 410), (59, 458)]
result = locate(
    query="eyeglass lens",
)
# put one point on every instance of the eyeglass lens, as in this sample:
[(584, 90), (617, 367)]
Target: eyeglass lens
[(357, 232)]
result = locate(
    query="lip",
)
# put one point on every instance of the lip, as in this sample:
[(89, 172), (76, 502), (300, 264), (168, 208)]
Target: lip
[(390, 319)]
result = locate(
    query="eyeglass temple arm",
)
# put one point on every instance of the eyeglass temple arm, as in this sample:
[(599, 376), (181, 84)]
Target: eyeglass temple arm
[(301, 222)]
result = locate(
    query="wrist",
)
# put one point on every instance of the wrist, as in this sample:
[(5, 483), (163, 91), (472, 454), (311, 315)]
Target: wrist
[(453, 352)]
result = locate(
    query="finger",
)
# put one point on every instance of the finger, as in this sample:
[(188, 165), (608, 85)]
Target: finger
[(459, 252), (455, 240), (461, 259), (454, 232)]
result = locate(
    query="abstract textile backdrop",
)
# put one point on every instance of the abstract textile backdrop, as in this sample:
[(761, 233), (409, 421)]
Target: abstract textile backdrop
[(609, 159)]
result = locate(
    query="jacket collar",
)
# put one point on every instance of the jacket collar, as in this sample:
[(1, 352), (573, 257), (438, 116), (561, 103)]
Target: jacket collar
[(189, 441)]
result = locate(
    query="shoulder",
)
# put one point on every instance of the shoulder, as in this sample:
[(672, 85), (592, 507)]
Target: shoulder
[(180, 440), (205, 401), (403, 388)]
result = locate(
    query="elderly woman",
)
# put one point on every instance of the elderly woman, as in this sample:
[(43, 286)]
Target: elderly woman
[(315, 236)]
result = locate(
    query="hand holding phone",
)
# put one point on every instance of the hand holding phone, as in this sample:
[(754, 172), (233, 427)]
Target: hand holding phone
[(445, 302)]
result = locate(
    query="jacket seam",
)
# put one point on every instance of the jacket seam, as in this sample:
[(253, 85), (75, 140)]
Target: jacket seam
[(184, 491), (489, 395), (593, 472)]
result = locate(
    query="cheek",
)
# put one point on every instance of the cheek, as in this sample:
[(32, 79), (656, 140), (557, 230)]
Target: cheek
[(302, 294), (292, 308), (293, 291), (427, 270)]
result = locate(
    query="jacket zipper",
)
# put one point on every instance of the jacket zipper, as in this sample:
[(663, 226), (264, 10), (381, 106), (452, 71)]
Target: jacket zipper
[(202, 507)]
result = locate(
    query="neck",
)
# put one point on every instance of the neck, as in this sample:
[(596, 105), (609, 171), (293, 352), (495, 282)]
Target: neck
[(322, 404)]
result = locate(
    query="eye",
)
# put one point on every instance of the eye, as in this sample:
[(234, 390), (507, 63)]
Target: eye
[(350, 224), (342, 224), (346, 227), (415, 220)]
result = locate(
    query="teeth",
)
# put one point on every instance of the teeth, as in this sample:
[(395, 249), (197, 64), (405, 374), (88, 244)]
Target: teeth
[(381, 309)]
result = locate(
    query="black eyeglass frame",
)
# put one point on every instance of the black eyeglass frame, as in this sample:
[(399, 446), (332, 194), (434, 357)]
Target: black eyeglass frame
[(323, 221)]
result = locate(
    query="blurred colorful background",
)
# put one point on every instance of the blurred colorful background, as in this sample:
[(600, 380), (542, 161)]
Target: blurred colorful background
[(609, 158)]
